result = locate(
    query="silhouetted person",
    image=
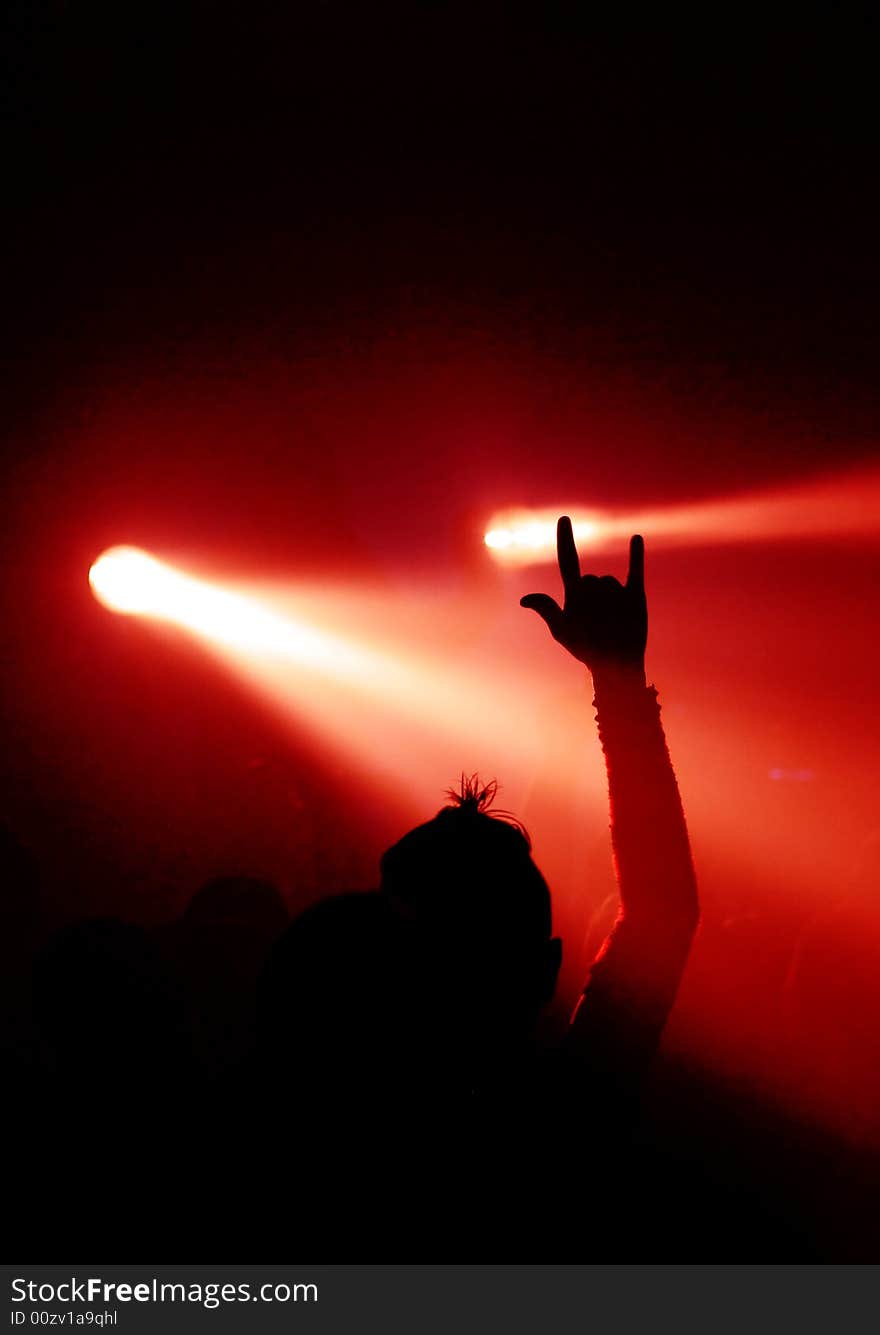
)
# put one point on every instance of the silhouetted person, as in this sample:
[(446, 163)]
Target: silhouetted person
[(218, 945), (320, 1124), (335, 995), (483, 1121), (467, 879), (395, 1026), (480, 907)]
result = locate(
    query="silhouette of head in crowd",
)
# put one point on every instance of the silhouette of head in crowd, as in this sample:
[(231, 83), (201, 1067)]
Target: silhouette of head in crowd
[(438, 975), (334, 996), (223, 934), (481, 914), (218, 946)]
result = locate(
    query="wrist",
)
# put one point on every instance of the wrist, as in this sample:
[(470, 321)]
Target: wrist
[(612, 676)]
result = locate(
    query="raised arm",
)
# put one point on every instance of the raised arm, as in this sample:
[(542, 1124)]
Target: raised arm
[(633, 981)]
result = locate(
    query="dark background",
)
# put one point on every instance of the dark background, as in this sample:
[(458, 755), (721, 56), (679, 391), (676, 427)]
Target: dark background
[(308, 292)]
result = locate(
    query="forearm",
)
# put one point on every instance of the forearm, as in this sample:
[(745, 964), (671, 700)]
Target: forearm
[(635, 978), (652, 855)]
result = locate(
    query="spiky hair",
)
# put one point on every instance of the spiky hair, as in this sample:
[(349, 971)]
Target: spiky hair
[(476, 797), (469, 869)]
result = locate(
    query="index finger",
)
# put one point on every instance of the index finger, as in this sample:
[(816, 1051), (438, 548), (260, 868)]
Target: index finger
[(566, 551), (635, 578)]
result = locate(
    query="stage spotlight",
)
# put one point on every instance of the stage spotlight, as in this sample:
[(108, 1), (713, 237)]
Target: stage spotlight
[(825, 508), (127, 580), (532, 536)]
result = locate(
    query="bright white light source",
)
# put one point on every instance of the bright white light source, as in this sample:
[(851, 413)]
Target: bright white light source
[(128, 580), (823, 508), (529, 538)]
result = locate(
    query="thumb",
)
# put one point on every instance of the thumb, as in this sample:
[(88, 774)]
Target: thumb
[(548, 610)]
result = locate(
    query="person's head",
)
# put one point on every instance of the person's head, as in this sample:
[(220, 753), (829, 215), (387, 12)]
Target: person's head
[(334, 996), (242, 902), (224, 934), (481, 907)]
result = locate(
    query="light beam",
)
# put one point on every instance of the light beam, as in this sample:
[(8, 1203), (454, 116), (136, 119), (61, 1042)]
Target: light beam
[(417, 719), (827, 508)]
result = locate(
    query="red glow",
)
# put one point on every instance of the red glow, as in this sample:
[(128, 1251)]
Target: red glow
[(389, 706), (406, 689)]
